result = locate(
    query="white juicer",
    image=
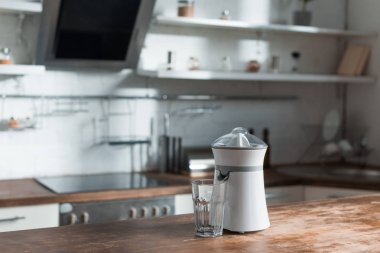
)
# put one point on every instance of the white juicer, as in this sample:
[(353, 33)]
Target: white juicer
[(239, 158)]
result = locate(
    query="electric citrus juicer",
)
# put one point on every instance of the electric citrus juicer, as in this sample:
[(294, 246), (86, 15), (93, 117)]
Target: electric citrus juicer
[(239, 158)]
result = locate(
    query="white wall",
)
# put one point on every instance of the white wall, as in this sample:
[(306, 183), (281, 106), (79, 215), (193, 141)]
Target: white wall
[(364, 100), (69, 144)]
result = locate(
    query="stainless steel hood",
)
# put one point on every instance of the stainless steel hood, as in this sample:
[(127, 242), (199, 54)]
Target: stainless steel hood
[(93, 33)]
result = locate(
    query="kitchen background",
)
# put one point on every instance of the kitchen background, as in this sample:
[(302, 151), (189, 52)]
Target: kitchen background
[(69, 132)]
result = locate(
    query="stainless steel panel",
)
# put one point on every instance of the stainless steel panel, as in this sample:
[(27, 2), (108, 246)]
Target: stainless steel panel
[(106, 211)]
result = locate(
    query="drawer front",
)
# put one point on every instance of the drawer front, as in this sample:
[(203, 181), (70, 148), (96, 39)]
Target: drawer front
[(28, 217), (184, 204)]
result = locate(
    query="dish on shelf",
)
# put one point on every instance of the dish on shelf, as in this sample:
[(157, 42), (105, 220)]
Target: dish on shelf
[(331, 125)]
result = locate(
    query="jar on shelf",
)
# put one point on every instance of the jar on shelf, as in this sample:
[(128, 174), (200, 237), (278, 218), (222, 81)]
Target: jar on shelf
[(253, 66), (5, 56), (274, 64), (225, 15), (185, 8), (193, 63), (225, 64)]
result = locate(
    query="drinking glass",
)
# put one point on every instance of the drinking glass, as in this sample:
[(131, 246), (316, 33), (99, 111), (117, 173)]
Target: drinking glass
[(208, 200)]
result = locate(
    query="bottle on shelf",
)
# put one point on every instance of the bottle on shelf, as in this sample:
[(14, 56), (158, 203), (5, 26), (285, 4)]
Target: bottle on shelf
[(5, 56), (13, 123), (274, 64), (296, 57), (170, 65), (225, 64)]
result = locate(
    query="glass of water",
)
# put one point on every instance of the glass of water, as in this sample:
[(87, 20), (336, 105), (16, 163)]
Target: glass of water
[(208, 200)]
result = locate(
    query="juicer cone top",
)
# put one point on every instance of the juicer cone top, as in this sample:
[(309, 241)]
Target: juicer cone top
[(239, 158)]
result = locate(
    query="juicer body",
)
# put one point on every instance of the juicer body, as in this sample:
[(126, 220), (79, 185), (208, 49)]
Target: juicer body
[(245, 206)]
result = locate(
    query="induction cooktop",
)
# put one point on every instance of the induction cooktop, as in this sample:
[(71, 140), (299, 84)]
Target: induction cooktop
[(98, 182)]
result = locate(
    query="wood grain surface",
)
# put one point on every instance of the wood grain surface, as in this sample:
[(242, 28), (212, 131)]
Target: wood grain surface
[(341, 225), (29, 192)]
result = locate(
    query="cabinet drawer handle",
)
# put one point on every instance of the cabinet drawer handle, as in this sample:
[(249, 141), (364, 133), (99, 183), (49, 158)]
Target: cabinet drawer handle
[(16, 218)]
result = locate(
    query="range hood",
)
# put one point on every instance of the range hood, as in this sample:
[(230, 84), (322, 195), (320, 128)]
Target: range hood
[(93, 33)]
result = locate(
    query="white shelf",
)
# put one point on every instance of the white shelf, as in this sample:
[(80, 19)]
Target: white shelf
[(229, 24), (265, 77), (20, 6), (16, 70)]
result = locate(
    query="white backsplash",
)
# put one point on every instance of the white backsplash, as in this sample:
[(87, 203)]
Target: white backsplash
[(70, 144)]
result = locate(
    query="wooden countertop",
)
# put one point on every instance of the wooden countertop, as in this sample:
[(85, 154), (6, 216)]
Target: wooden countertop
[(340, 225), (322, 176), (29, 192)]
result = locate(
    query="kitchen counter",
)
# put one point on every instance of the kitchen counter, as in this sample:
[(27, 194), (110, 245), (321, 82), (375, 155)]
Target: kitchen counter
[(340, 225), (29, 192), (334, 176)]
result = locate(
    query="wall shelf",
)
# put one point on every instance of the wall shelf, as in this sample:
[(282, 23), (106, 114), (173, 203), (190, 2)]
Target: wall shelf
[(19, 70), (264, 77), (241, 25), (20, 6), (184, 97)]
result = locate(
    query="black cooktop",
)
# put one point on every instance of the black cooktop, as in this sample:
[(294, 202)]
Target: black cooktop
[(99, 182)]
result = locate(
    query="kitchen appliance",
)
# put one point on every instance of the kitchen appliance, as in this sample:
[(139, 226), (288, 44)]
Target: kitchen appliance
[(88, 33), (107, 211), (239, 158), (99, 182)]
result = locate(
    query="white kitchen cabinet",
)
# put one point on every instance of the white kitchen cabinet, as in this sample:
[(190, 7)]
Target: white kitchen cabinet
[(21, 7), (284, 194), (319, 193), (29, 217), (183, 204)]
